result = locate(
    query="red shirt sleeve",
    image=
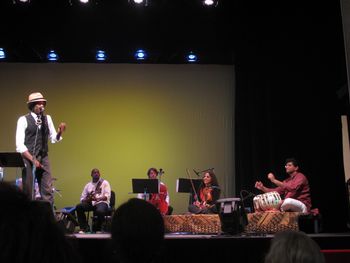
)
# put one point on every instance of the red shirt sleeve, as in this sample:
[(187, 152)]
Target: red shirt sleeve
[(293, 185)]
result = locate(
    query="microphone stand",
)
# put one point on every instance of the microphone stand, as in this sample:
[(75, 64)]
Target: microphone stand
[(57, 191), (145, 194), (243, 198), (197, 173), (38, 123)]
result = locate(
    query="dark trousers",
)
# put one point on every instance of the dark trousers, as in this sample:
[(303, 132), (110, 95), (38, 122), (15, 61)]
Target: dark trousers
[(205, 210), (100, 211), (43, 177)]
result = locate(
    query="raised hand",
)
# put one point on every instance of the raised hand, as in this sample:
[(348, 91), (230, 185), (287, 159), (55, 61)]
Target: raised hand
[(62, 127), (259, 185), (271, 177)]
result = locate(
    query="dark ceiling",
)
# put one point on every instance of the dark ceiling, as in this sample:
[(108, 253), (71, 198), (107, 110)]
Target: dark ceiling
[(234, 32), (168, 29)]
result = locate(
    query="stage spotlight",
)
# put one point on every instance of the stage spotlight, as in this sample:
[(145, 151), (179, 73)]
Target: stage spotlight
[(52, 56), (139, 2), (101, 55), (2, 54), (140, 54), (191, 57), (83, 2), (21, 1), (210, 2)]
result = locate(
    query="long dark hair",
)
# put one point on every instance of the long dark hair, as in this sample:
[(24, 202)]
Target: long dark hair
[(214, 180)]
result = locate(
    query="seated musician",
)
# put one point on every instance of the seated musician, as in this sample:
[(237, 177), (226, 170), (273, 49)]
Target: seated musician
[(295, 189), (160, 200), (95, 197), (206, 196)]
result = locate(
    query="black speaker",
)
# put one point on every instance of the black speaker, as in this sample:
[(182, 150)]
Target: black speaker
[(66, 221), (232, 215)]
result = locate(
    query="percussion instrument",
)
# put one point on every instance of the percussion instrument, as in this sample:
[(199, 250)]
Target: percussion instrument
[(267, 201)]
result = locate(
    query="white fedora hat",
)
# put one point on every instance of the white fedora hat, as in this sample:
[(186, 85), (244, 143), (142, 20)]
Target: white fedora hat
[(35, 97)]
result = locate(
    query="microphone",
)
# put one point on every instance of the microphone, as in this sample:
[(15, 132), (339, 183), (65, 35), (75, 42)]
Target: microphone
[(197, 173), (42, 108), (206, 170)]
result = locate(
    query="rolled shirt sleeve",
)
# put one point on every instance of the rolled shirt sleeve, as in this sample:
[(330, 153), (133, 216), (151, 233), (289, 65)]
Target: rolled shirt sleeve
[(53, 133), (20, 134)]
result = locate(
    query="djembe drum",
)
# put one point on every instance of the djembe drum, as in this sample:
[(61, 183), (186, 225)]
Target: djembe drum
[(267, 201)]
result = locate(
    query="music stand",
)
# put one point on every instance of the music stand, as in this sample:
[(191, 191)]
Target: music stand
[(184, 185), (11, 159), (145, 186)]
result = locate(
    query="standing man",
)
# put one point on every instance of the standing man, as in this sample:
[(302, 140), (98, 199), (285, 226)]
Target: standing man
[(95, 197), (32, 135), (295, 189)]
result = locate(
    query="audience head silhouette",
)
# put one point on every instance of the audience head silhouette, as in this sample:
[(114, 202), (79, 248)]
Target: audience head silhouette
[(29, 231), (137, 231), (293, 247)]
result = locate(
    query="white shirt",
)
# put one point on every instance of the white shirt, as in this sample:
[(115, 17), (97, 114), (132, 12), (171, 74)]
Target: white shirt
[(22, 126), (91, 187)]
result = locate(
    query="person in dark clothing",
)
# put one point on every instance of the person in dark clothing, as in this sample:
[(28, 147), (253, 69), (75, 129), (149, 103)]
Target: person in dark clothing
[(294, 247), (29, 231), (138, 232)]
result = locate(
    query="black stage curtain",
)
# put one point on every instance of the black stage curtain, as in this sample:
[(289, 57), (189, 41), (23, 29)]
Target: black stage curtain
[(289, 66)]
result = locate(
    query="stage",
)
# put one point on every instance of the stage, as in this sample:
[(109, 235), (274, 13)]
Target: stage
[(181, 247)]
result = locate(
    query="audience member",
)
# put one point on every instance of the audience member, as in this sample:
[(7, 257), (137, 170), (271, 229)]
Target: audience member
[(29, 231), (293, 247), (137, 232)]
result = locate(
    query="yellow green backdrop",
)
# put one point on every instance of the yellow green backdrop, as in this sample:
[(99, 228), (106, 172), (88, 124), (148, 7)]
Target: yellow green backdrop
[(125, 118)]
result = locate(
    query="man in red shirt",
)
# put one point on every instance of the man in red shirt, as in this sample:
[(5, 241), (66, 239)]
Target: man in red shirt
[(295, 189)]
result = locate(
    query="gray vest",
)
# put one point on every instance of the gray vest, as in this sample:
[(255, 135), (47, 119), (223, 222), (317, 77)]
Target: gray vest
[(41, 147)]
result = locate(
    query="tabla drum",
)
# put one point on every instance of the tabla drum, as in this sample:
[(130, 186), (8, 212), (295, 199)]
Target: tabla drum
[(267, 201)]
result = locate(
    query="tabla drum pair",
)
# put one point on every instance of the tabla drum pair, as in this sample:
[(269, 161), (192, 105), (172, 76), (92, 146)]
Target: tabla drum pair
[(267, 201)]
